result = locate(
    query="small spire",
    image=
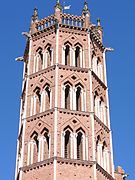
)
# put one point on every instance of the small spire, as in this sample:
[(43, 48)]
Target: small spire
[(35, 15), (98, 22), (85, 8), (58, 5)]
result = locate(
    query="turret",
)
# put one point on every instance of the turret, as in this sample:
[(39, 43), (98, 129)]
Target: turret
[(86, 14)]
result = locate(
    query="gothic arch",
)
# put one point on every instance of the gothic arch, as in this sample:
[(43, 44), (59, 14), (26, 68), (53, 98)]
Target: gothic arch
[(68, 43)]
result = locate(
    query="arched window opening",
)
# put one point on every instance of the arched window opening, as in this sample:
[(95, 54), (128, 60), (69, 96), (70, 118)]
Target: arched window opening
[(40, 58), (77, 57), (67, 97), (34, 150), (78, 99), (37, 143), (38, 100), (99, 150), (67, 144), (49, 56), (47, 89), (79, 146), (67, 55), (46, 145)]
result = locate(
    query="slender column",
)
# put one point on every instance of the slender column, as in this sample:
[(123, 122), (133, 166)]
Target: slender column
[(71, 98), (37, 63), (87, 155), (104, 114), (85, 101), (49, 145), (101, 72), (98, 153), (82, 99), (101, 154), (107, 161), (50, 98), (81, 63), (73, 49), (83, 59), (40, 148), (75, 146), (71, 146), (28, 158), (31, 105), (63, 96), (44, 58), (104, 159), (34, 107), (74, 98), (63, 144), (84, 155), (63, 55)]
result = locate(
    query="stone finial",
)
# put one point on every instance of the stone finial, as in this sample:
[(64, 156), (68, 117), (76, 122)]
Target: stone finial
[(58, 5), (35, 15), (98, 22), (85, 8)]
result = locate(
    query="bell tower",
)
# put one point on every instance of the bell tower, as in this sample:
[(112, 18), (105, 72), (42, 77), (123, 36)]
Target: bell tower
[(64, 130)]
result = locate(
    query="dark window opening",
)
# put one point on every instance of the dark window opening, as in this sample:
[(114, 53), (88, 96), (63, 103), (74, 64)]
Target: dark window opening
[(67, 97), (67, 55), (67, 144), (79, 146), (77, 57), (78, 99), (47, 89)]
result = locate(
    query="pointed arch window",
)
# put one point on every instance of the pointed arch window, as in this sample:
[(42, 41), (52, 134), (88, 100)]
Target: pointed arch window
[(45, 152), (67, 144), (38, 60), (48, 58), (77, 56), (67, 97), (46, 98), (35, 101), (78, 99), (33, 149), (48, 92), (67, 55), (79, 146)]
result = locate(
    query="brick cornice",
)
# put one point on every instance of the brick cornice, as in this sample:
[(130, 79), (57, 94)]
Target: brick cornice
[(102, 124), (59, 160), (105, 173), (99, 80)]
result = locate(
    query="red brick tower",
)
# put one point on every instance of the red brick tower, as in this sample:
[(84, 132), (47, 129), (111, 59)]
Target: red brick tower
[(64, 128)]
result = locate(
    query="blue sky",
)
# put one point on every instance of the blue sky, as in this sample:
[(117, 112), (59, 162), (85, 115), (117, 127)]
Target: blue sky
[(118, 21)]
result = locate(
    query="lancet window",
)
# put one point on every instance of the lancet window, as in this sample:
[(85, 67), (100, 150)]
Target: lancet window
[(97, 66), (74, 144), (102, 154), (33, 149), (38, 60), (46, 98), (67, 55), (100, 108), (73, 97), (38, 147), (77, 56), (35, 101), (67, 97), (80, 98)]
